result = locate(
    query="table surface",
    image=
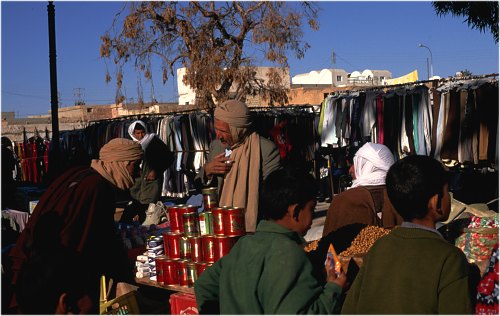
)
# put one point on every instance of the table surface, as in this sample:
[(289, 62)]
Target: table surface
[(174, 288)]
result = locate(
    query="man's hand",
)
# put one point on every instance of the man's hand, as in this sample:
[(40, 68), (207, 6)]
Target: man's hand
[(151, 176), (218, 166), (339, 279)]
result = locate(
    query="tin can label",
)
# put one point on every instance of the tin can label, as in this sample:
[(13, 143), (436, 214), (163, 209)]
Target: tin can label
[(223, 245), (191, 224), (185, 248), (196, 248), (182, 272), (206, 223), (159, 268), (181, 210), (209, 198), (173, 244), (234, 221), (170, 272), (174, 219), (200, 267), (192, 274), (208, 243), (218, 221)]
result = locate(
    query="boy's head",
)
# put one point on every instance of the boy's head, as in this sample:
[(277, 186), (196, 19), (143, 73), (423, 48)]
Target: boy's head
[(288, 198), (417, 184)]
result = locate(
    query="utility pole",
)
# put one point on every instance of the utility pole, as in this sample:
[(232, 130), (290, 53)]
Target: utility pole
[(78, 94), (53, 85)]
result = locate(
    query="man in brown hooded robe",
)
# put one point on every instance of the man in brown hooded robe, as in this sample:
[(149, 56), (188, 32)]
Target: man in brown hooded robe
[(85, 200)]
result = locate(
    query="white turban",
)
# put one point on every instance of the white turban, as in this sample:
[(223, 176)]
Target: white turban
[(371, 163), (146, 139)]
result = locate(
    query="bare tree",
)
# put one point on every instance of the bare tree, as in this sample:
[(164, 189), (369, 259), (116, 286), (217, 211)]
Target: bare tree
[(481, 15), (211, 40)]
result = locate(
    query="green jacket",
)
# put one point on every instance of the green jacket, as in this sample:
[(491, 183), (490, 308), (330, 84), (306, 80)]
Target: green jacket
[(157, 157), (411, 271), (265, 273)]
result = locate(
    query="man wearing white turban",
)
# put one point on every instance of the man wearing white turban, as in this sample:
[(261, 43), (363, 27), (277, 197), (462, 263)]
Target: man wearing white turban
[(239, 160), (148, 187), (366, 201)]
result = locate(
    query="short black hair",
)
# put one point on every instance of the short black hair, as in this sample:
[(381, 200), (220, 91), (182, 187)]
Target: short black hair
[(285, 187), (412, 181)]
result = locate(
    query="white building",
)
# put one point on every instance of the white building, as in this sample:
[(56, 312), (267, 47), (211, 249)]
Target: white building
[(341, 78)]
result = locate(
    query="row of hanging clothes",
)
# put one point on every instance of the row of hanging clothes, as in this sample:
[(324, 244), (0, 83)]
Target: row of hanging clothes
[(452, 120), (188, 136), (32, 155), (291, 128)]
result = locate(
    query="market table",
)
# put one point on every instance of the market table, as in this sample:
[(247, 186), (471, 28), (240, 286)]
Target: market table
[(173, 288)]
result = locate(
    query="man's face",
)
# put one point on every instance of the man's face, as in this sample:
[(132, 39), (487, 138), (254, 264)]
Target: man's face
[(223, 133), (133, 168), (306, 217), (445, 203), (139, 133)]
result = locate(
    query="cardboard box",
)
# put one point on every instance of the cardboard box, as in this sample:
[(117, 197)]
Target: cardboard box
[(183, 304)]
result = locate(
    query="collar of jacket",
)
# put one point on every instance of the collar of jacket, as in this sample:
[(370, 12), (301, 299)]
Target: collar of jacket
[(266, 226)]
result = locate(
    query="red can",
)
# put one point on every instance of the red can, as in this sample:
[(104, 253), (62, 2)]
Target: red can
[(234, 221), (208, 243), (181, 210), (159, 268), (172, 243), (201, 266), (196, 249), (191, 224), (218, 220), (182, 272), (174, 219), (170, 272), (223, 245)]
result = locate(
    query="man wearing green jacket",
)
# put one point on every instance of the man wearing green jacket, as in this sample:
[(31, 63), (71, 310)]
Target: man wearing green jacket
[(413, 270), (268, 272)]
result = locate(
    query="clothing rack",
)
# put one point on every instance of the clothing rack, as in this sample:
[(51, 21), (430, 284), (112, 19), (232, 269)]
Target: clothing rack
[(139, 116), (415, 83), (288, 107)]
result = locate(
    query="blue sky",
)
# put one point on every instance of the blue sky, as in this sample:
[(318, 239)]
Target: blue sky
[(364, 35)]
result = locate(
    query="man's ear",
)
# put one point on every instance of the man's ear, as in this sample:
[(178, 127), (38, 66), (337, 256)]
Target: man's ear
[(291, 211), (62, 305), (434, 205)]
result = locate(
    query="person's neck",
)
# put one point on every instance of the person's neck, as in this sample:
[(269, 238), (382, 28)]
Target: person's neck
[(285, 222), (427, 222)]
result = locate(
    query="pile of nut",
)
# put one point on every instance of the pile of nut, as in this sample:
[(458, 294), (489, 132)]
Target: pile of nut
[(365, 240), (311, 246)]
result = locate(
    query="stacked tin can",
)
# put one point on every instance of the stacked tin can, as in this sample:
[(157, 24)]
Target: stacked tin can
[(196, 241)]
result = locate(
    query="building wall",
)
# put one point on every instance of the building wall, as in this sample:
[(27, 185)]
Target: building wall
[(312, 96), (188, 96)]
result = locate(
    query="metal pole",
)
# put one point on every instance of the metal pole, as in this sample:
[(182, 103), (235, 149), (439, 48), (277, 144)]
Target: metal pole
[(53, 77), (427, 61), (432, 71)]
